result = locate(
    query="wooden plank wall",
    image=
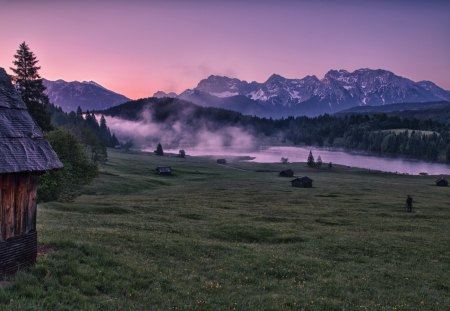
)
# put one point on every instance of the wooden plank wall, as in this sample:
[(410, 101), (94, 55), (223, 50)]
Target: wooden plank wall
[(17, 204), (17, 252)]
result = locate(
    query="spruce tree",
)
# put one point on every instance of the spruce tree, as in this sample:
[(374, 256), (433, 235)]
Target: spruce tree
[(28, 83), (159, 150), (319, 162), (79, 112), (310, 162)]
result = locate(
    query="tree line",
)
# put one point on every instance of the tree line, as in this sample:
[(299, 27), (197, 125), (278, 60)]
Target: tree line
[(382, 134)]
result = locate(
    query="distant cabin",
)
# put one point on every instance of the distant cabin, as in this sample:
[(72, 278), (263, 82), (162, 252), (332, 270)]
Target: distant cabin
[(302, 182), (442, 182), (24, 155), (163, 170), (221, 161), (287, 173)]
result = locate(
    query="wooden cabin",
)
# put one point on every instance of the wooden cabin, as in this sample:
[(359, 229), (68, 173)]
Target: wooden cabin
[(164, 170), (442, 182), (287, 173), (24, 155), (302, 182), (221, 161)]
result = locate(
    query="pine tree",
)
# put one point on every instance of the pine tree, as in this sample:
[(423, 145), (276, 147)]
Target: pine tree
[(159, 150), (28, 83), (79, 112), (310, 161), (103, 126), (319, 162)]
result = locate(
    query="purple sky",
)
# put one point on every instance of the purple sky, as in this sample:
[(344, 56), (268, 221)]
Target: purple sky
[(139, 47)]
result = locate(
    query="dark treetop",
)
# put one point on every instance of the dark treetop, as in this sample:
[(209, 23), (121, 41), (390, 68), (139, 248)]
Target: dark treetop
[(22, 144)]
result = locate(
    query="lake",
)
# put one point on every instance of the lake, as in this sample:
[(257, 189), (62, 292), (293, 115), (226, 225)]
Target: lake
[(353, 159)]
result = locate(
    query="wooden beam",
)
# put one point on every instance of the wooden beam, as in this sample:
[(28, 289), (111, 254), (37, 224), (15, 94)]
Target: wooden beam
[(21, 200), (2, 213), (8, 205), (31, 203)]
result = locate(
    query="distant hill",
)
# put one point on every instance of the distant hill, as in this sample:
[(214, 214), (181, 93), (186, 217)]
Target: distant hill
[(87, 94), (438, 111), (169, 110)]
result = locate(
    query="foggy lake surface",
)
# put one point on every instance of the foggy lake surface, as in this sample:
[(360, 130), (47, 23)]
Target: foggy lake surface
[(353, 159)]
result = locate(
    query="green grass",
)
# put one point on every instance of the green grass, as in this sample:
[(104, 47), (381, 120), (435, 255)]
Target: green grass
[(215, 238)]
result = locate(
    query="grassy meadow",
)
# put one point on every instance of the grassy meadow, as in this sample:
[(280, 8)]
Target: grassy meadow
[(239, 237)]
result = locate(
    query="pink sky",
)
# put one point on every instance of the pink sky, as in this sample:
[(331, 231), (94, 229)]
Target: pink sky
[(138, 47)]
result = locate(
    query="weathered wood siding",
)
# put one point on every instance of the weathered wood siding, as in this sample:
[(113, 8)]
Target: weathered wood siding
[(18, 238), (17, 253), (17, 204)]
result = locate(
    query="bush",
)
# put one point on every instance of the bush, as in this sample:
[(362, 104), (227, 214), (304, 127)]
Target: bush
[(78, 169)]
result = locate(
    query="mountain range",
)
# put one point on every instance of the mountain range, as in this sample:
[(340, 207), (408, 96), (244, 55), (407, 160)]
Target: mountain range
[(87, 94), (338, 90), (277, 97)]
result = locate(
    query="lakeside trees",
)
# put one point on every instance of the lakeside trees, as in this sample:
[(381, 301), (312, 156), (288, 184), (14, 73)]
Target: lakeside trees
[(382, 134), (423, 139)]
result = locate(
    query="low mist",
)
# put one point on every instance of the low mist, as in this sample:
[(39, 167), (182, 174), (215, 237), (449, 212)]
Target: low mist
[(175, 134)]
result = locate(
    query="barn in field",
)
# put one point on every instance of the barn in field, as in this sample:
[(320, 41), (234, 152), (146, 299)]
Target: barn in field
[(163, 170), (287, 173), (442, 182), (24, 155)]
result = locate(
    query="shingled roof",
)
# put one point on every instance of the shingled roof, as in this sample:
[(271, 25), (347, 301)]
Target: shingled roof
[(22, 144)]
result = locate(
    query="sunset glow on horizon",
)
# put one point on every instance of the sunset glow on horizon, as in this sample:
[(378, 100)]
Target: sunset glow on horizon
[(139, 47)]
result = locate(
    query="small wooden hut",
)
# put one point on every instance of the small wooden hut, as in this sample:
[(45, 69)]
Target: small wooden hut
[(442, 182), (221, 161), (287, 173), (164, 170), (24, 155), (302, 182)]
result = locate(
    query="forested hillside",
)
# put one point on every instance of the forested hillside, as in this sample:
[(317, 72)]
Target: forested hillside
[(374, 133)]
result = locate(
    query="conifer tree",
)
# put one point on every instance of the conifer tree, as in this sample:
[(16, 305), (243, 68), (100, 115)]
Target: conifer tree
[(28, 83), (319, 162), (159, 150), (79, 112), (310, 162)]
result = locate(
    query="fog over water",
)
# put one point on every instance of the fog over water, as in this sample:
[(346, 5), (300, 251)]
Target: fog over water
[(231, 141)]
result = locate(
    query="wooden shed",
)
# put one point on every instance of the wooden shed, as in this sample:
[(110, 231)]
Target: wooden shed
[(164, 170), (287, 173), (302, 182), (442, 182), (221, 161), (24, 155)]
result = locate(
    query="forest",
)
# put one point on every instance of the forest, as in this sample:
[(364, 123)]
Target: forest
[(378, 133)]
